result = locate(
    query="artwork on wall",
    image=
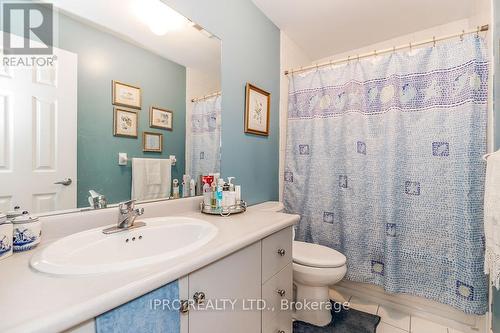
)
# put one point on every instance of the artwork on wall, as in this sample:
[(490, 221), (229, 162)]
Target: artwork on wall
[(160, 118), (126, 95), (257, 110), (152, 142), (125, 123)]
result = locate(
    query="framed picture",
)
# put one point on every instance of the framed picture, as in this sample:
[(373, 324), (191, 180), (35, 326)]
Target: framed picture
[(126, 95), (160, 118), (257, 110), (125, 122), (152, 142)]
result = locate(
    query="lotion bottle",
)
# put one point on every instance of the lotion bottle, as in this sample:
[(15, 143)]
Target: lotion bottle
[(207, 195), (232, 192)]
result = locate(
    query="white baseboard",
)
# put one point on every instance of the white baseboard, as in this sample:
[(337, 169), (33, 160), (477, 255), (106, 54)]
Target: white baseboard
[(417, 306)]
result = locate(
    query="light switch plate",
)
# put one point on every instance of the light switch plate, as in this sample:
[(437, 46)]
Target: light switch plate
[(122, 159)]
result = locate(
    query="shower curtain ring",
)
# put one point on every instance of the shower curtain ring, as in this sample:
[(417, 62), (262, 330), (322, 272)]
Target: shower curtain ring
[(410, 46), (394, 49), (462, 35), (358, 57), (434, 41)]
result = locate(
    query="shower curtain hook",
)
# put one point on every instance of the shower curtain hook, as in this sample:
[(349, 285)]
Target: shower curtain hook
[(374, 53), (358, 57), (394, 49), (434, 41), (410, 46), (462, 36), (348, 59), (477, 31)]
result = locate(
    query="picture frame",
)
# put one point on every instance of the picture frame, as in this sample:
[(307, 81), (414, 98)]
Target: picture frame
[(152, 142), (126, 95), (257, 110), (125, 123), (161, 118)]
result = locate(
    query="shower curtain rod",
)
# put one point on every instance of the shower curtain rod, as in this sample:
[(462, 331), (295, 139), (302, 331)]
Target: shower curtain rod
[(393, 49), (205, 97)]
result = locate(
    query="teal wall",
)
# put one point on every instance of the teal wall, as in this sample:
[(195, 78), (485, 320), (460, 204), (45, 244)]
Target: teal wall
[(250, 53), (102, 58)]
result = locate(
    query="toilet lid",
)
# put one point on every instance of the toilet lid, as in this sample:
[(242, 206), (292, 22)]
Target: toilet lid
[(315, 255)]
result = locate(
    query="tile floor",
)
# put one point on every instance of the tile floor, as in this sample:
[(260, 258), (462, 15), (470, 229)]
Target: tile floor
[(393, 321)]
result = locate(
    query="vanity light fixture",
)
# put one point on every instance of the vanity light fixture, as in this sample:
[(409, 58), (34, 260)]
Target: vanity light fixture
[(160, 18)]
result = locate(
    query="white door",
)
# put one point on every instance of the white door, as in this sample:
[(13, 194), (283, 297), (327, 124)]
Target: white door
[(38, 125)]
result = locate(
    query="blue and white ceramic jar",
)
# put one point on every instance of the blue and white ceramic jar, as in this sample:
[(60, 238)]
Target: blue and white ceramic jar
[(27, 232), (6, 232)]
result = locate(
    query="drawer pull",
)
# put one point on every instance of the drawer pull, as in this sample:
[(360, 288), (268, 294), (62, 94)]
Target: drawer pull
[(281, 292), (184, 306), (199, 297), (280, 331), (281, 252)]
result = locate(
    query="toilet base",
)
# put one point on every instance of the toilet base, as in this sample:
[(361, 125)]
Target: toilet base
[(312, 305)]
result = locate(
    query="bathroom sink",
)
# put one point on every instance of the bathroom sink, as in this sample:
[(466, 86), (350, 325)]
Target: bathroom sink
[(93, 252)]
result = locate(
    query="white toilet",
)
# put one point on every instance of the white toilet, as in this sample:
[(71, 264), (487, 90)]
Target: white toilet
[(315, 268)]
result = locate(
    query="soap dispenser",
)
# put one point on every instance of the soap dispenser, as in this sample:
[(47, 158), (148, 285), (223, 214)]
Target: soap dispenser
[(232, 193)]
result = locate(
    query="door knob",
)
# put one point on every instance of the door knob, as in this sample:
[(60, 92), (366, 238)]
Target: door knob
[(65, 182), (199, 297)]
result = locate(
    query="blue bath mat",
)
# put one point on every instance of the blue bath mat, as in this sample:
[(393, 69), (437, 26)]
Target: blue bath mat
[(345, 321)]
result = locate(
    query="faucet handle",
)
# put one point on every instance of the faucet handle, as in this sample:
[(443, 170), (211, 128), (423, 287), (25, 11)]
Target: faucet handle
[(126, 206), (139, 211)]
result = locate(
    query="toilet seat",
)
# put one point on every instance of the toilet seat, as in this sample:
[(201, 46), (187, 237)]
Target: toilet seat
[(314, 255)]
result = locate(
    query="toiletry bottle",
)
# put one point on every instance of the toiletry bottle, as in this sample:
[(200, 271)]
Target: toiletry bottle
[(185, 186), (219, 192), (175, 189), (192, 188), (237, 192), (225, 195), (213, 196), (232, 192), (207, 195)]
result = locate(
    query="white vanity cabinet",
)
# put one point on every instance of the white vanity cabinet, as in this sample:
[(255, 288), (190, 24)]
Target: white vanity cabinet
[(277, 282), (262, 270), (235, 278)]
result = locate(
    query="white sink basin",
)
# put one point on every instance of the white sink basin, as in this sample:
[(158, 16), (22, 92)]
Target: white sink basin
[(92, 252)]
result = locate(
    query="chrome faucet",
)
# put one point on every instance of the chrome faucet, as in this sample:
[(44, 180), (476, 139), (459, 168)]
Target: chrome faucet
[(126, 218), (97, 200)]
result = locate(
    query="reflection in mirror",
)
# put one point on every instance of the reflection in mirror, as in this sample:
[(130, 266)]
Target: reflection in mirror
[(130, 107)]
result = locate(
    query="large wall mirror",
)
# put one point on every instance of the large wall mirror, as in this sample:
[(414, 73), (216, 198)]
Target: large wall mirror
[(132, 83)]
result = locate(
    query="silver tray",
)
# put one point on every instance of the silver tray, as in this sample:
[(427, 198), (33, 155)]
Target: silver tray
[(225, 211)]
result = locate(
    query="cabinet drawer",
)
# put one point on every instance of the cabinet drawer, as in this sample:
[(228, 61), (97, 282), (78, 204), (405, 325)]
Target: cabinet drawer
[(278, 319), (276, 253)]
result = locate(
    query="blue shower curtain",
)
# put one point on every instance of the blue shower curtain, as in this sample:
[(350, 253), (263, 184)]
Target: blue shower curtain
[(205, 137), (383, 163)]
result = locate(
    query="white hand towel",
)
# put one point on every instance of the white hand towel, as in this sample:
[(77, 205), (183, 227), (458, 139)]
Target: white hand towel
[(153, 171), (144, 189), (492, 218)]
